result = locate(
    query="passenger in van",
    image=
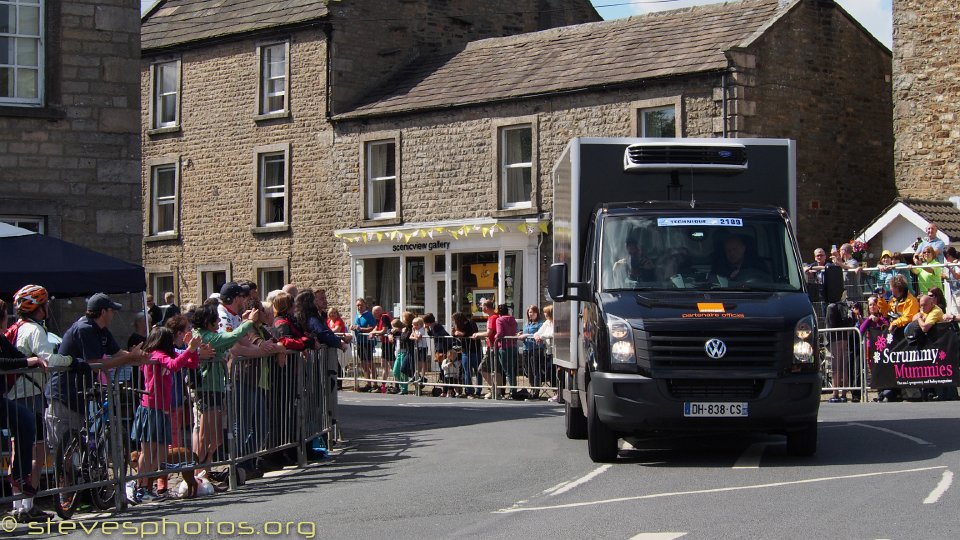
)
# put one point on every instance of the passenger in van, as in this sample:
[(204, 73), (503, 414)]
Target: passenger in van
[(634, 266), (737, 263)]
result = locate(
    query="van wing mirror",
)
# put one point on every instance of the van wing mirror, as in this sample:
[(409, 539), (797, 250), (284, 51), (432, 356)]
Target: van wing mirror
[(559, 288)]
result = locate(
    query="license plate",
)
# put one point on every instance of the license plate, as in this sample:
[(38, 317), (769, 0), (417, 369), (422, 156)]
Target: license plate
[(696, 408)]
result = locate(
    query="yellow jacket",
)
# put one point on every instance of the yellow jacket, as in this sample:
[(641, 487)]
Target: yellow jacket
[(905, 309)]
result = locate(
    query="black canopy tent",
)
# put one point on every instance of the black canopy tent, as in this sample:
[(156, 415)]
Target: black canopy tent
[(66, 270)]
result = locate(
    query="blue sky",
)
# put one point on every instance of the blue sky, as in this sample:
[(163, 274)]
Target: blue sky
[(875, 15)]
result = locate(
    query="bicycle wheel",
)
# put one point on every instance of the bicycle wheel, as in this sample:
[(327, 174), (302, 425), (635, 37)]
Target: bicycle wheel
[(69, 461), (99, 469)]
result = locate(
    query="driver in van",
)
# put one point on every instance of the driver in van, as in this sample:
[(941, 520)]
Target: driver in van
[(736, 264), (635, 266)]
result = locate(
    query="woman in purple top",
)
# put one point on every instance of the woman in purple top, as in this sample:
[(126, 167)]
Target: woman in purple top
[(505, 342)]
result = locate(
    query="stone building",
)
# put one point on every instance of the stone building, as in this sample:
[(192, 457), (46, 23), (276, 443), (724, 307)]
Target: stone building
[(419, 178), (70, 121), (926, 62)]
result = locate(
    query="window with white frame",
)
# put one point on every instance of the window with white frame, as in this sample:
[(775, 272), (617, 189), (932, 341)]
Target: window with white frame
[(211, 281), (163, 199), (21, 52), (37, 224), (273, 78), (160, 284), (166, 94), (516, 166), (381, 179), (658, 122), (271, 279), (272, 189)]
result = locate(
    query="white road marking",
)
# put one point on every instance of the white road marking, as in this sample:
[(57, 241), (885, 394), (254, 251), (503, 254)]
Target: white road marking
[(556, 487), (941, 488), (917, 440), (714, 490), (583, 480), (658, 536), (750, 459)]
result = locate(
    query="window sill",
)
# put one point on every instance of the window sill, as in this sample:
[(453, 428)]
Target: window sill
[(166, 237), (271, 116), (380, 222), (47, 113), (514, 212), (270, 229), (163, 131)]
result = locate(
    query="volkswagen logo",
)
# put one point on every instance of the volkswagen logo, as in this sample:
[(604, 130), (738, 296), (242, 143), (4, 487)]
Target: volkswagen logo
[(715, 348)]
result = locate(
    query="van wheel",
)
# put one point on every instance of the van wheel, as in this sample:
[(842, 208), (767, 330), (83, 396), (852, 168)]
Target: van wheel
[(576, 422), (803, 442), (601, 440)]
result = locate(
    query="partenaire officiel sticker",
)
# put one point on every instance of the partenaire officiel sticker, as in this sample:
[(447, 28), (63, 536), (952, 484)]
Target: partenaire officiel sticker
[(701, 221)]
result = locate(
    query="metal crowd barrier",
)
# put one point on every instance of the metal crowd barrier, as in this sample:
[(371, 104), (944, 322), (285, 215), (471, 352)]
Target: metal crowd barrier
[(514, 364), (223, 414), (844, 361)]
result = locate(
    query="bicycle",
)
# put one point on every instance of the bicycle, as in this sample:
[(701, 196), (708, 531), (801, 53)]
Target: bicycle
[(84, 456)]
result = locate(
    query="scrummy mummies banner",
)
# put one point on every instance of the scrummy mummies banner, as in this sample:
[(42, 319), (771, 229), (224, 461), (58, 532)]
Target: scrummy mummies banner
[(930, 360)]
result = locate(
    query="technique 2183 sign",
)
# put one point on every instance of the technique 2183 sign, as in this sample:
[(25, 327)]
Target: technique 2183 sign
[(928, 361)]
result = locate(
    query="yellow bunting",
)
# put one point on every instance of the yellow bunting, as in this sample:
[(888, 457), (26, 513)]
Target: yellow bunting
[(337, 235), (440, 229), (455, 235), (499, 228), (484, 231), (543, 227), (406, 237), (379, 237)]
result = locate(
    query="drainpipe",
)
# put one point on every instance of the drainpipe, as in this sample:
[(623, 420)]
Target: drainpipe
[(723, 91)]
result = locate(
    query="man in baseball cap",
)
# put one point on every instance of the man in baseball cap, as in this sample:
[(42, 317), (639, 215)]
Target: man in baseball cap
[(99, 302)]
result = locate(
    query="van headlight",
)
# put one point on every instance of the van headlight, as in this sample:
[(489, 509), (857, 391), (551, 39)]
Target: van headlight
[(803, 341), (622, 353)]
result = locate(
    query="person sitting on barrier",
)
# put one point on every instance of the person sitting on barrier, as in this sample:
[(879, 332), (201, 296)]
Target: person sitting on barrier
[(152, 426), (210, 390), (901, 308), (22, 424)]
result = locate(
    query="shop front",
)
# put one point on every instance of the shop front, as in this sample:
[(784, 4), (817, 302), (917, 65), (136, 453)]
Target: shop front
[(446, 267)]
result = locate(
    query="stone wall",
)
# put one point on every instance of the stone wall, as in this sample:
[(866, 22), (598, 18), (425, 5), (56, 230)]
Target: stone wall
[(369, 47), (215, 147), (820, 79), (76, 160), (926, 63)]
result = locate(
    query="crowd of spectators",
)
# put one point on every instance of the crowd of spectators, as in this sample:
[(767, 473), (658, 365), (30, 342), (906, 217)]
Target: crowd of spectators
[(903, 295)]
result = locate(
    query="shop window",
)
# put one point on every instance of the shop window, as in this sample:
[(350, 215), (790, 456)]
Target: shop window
[(416, 290), (381, 179), (163, 199), (37, 224), (478, 279), (21, 52), (380, 282), (658, 122), (516, 166), (274, 77), (165, 106)]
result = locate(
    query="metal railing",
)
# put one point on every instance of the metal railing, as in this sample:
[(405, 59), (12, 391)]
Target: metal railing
[(107, 430), (843, 361), (450, 366)]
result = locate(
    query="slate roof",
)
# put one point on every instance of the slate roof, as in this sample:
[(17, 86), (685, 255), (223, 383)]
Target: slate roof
[(576, 57), (943, 213), (176, 22)]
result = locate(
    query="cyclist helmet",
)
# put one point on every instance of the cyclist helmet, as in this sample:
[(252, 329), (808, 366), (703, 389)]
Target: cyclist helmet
[(30, 297)]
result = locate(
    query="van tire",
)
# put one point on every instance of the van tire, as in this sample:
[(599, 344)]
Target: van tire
[(576, 422), (803, 442), (601, 440)]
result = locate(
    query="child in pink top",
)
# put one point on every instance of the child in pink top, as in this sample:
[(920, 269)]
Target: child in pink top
[(151, 424)]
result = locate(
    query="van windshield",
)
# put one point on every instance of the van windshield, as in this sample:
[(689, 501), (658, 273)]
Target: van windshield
[(703, 252)]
